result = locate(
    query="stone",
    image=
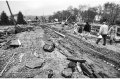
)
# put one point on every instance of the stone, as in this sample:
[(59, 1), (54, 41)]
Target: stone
[(78, 75), (15, 43), (49, 47), (50, 73), (35, 63), (72, 64), (45, 74), (67, 73), (57, 75)]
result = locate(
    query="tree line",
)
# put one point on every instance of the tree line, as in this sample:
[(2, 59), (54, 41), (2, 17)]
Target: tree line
[(109, 11), (5, 20)]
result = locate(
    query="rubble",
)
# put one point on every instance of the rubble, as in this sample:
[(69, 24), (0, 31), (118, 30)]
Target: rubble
[(49, 47), (67, 58), (67, 73), (35, 63), (45, 74), (15, 43), (23, 28), (78, 75), (75, 59), (72, 65)]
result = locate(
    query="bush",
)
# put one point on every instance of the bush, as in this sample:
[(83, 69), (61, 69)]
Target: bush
[(20, 19), (117, 22), (4, 19)]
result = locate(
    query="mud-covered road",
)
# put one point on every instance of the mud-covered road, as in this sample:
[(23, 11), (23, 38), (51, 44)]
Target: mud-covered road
[(32, 61)]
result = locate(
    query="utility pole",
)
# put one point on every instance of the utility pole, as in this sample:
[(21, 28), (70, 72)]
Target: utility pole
[(11, 13)]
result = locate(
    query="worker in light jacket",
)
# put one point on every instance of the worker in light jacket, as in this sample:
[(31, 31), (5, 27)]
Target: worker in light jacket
[(103, 32), (75, 28), (112, 32)]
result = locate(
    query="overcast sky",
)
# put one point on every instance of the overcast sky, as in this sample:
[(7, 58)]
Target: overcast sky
[(46, 7)]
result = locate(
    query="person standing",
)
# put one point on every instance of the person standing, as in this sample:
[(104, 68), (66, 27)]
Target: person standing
[(103, 32), (80, 29), (87, 29), (112, 32), (62, 25), (75, 28)]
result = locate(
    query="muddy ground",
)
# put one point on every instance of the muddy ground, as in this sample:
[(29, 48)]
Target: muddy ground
[(31, 61)]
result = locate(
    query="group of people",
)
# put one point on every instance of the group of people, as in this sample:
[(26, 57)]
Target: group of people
[(80, 29), (103, 32)]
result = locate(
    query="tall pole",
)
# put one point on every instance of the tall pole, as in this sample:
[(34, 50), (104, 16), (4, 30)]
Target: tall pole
[(11, 13)]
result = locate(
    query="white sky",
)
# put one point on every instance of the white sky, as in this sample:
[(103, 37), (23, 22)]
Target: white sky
[(46, 7)]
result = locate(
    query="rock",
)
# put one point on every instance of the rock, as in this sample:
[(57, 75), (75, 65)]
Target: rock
[(57, 76), (50, 74), (35, 63), (78, 75), (72, 65), (15, 43), (67, 73), (45, 74), (49, 47)]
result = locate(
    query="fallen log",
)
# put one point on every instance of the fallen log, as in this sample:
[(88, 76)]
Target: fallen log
[(63, 51), (86, 70), (60, 34), (75, 59)]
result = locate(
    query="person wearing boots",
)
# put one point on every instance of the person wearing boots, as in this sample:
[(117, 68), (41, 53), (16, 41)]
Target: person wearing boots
[(112, 32), (103, 32)]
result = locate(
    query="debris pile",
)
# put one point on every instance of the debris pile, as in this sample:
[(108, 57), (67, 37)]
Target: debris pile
[(44, 53)]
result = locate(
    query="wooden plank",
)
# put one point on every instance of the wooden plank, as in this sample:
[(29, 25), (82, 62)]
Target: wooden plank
[(72, 58), (60, 34)]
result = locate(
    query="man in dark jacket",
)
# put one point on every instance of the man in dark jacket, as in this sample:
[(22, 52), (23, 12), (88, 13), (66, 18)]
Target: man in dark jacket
[(87, 29)]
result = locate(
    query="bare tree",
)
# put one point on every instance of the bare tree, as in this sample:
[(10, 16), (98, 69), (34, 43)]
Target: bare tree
[(81, 9)]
